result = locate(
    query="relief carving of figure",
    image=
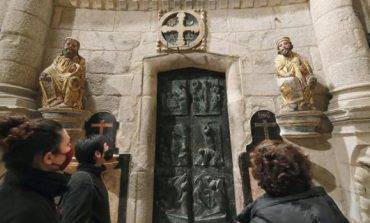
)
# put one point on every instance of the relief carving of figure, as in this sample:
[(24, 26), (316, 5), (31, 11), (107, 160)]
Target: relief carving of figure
[(63, 82), (175, 100), (215, 98), (178, 146), (295, 78), (209, 197), (208, 156), (181, 93), (181, 184), (199, 97)]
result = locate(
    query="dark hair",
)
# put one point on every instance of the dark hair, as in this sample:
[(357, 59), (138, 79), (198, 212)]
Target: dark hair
[(22, 139), (85, 149), (281, 169)]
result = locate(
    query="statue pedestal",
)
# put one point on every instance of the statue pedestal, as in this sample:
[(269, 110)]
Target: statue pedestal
[(303, 124), (72, 120), (29, 113)]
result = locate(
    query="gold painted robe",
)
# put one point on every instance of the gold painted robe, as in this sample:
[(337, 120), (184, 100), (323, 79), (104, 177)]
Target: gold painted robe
[(67, 82), (293, 74)]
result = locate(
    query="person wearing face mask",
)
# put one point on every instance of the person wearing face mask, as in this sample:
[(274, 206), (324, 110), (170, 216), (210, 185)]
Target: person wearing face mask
[(87, 197), (34, 152)]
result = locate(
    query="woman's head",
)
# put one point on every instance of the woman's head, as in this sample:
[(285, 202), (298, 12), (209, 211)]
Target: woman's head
[(280, 169), (42, 144)]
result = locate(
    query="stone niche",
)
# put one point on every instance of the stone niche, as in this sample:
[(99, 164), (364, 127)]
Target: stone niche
[(141, 183), (263, 126)]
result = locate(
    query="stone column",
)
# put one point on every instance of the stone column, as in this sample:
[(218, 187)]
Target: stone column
[(22, 38), (344, 52), (346, 61)]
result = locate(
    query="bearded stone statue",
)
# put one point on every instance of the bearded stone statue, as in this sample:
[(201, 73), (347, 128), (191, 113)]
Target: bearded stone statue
[(63, 82), (295, 78)]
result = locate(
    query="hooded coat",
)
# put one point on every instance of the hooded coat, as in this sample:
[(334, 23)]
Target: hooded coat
[(312, 206)]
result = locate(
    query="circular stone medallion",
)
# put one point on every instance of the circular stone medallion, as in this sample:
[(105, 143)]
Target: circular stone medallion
[(182, 30)]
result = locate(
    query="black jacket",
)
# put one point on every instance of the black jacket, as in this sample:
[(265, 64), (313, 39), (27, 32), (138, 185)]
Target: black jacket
[(312, 206), (87, 198), (28, 196)]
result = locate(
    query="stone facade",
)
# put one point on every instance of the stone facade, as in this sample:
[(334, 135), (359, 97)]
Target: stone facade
[(119, 44)]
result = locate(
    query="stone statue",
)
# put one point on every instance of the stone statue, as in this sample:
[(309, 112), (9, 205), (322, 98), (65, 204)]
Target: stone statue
[(63, 82), (295, 78)]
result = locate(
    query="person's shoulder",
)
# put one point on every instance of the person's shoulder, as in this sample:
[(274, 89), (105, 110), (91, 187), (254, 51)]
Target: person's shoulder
[(24, 209), (33, 213), (17, 195), (81, 178)]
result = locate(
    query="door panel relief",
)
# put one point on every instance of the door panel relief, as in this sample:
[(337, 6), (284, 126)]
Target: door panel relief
[(193, 170)]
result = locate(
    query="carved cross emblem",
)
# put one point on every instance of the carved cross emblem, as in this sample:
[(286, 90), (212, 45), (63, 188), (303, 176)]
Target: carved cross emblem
[(265, 125), (181, 30), (101, 125)]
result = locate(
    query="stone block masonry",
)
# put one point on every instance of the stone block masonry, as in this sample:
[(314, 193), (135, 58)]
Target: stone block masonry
[(115, 42)]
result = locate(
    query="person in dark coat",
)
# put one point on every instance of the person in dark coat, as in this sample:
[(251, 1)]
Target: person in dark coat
[(283, 172), (87, 198), (33, 153)]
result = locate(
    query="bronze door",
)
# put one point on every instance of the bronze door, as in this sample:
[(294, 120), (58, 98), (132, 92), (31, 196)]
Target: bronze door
[(193, 168)]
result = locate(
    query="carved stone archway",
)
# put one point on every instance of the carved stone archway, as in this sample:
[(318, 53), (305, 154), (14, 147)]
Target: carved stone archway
[(141, 186)]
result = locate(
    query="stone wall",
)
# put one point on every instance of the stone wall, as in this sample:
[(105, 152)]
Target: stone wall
[(115, 43), (3, 7)]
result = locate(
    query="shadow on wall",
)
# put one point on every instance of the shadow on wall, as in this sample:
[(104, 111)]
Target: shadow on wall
[(322, 97), (323, 177), (101, 95), (362, 11), (320, 175)]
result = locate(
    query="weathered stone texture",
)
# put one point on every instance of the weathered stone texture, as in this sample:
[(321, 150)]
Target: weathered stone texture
[(17, 48), (341, 41), (238, 21), (3, 9), (10, 73), (102, 103), (109, 40), (23, 33), (85, 19), (320, 8), (292, 16), (260, 84), (217, 21), (133, 21), (25, 24), (39, 9)]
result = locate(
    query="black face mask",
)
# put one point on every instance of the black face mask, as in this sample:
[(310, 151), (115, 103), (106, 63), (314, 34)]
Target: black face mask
[(108, 155)]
